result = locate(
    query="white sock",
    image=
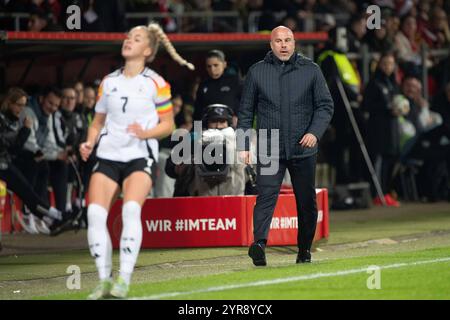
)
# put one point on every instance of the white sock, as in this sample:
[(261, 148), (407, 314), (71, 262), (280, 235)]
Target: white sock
[(131, 238), (99, 240)]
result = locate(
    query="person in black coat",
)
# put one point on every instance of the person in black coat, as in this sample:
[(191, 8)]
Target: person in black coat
[(13, 134), (220, 87), (383, 126), (288, 94)]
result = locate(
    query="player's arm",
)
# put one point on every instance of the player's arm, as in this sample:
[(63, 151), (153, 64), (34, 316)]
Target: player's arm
[(164, 128), (94, 130)]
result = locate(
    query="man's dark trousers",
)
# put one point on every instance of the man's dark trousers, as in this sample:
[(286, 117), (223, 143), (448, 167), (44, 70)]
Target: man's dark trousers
[(302, 173)]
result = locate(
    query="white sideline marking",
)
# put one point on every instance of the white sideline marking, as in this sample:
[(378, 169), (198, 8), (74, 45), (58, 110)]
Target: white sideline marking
[(284, 280)]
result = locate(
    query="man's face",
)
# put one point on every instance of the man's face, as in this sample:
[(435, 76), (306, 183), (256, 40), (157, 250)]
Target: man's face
[(89, 98), (387, 65), (218, 124), (50, 103), (411, 88), (69, 100), (282, 43)]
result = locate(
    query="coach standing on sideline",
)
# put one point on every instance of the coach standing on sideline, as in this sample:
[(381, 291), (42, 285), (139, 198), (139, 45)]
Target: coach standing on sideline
[(286, 91)]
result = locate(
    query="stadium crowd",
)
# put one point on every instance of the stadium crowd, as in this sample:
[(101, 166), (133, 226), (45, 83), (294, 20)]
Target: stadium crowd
[(406, 134)]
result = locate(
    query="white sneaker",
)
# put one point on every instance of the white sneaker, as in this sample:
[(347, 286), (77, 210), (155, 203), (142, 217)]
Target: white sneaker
[(28, 223), (42, 226), (54, 213)]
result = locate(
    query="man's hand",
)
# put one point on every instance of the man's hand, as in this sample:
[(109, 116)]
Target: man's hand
[(244, 156), (38, 156), (308, 141), (62, 156), (27, 122)]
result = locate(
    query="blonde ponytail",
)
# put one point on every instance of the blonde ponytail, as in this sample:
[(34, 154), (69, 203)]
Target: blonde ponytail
[(156, 34)]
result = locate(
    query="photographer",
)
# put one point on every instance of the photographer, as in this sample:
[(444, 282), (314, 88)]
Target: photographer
[(211, 178), (226, 176)]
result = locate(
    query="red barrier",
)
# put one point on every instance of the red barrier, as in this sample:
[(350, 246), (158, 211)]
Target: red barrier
[(174, 37), (214, 221), (9, 222)]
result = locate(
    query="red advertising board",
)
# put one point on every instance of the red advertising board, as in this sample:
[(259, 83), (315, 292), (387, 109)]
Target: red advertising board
[(214, 221)]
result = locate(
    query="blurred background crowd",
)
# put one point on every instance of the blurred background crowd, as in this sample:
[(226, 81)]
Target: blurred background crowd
[(396, 81)]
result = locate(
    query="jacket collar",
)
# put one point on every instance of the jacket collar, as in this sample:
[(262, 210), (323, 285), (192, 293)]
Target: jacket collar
[(295, 59)]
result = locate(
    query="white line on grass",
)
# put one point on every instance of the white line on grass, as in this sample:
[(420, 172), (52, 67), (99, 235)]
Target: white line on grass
[(284, 280)]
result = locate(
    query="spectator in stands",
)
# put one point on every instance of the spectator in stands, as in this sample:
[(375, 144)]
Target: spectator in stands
[(199, 24), (100, 15), (421, 116), (346, 155), (224, 24), (326, 23), (437, 32), (89, 98), (41, 21), (79, 89), (44, 149), (14, 131), (407, 47), (73, 127), (383, 125), (441, 105), (356, 31), (377, 39), (290, 22), (392, 24), (431, 146), (219, 87)]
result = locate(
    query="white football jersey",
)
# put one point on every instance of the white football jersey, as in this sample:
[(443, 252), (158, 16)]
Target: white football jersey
[(124, 100)]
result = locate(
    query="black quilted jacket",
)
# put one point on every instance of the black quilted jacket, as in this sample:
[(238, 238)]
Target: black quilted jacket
[(291, 96)]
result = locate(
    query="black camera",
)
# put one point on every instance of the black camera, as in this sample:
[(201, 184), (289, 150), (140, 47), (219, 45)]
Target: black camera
[(214, 168)]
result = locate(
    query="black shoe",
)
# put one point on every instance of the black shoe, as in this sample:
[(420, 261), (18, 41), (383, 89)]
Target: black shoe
[(69, 222), (303, 256), (256, 252)]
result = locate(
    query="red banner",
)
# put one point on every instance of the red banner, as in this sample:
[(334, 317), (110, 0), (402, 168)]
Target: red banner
[(214, 221)]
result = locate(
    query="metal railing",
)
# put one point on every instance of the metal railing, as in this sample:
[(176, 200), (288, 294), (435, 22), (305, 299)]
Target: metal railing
[(367, 57), (310, 23), (16, 16), (209, 16)]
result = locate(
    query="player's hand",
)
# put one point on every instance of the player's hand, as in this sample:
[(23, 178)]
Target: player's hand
[(136, 130), (308, 141), (85, 150), (245, 156)]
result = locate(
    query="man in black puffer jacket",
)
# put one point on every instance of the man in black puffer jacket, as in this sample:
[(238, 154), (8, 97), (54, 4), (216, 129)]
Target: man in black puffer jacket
[(286, 92)]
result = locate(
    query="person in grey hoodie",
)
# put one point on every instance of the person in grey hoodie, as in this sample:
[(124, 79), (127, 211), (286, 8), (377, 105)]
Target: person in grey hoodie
[(289, 97)]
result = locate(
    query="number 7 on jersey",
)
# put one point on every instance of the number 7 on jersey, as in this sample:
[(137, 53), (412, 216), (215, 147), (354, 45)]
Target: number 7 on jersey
[(125, 101)]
